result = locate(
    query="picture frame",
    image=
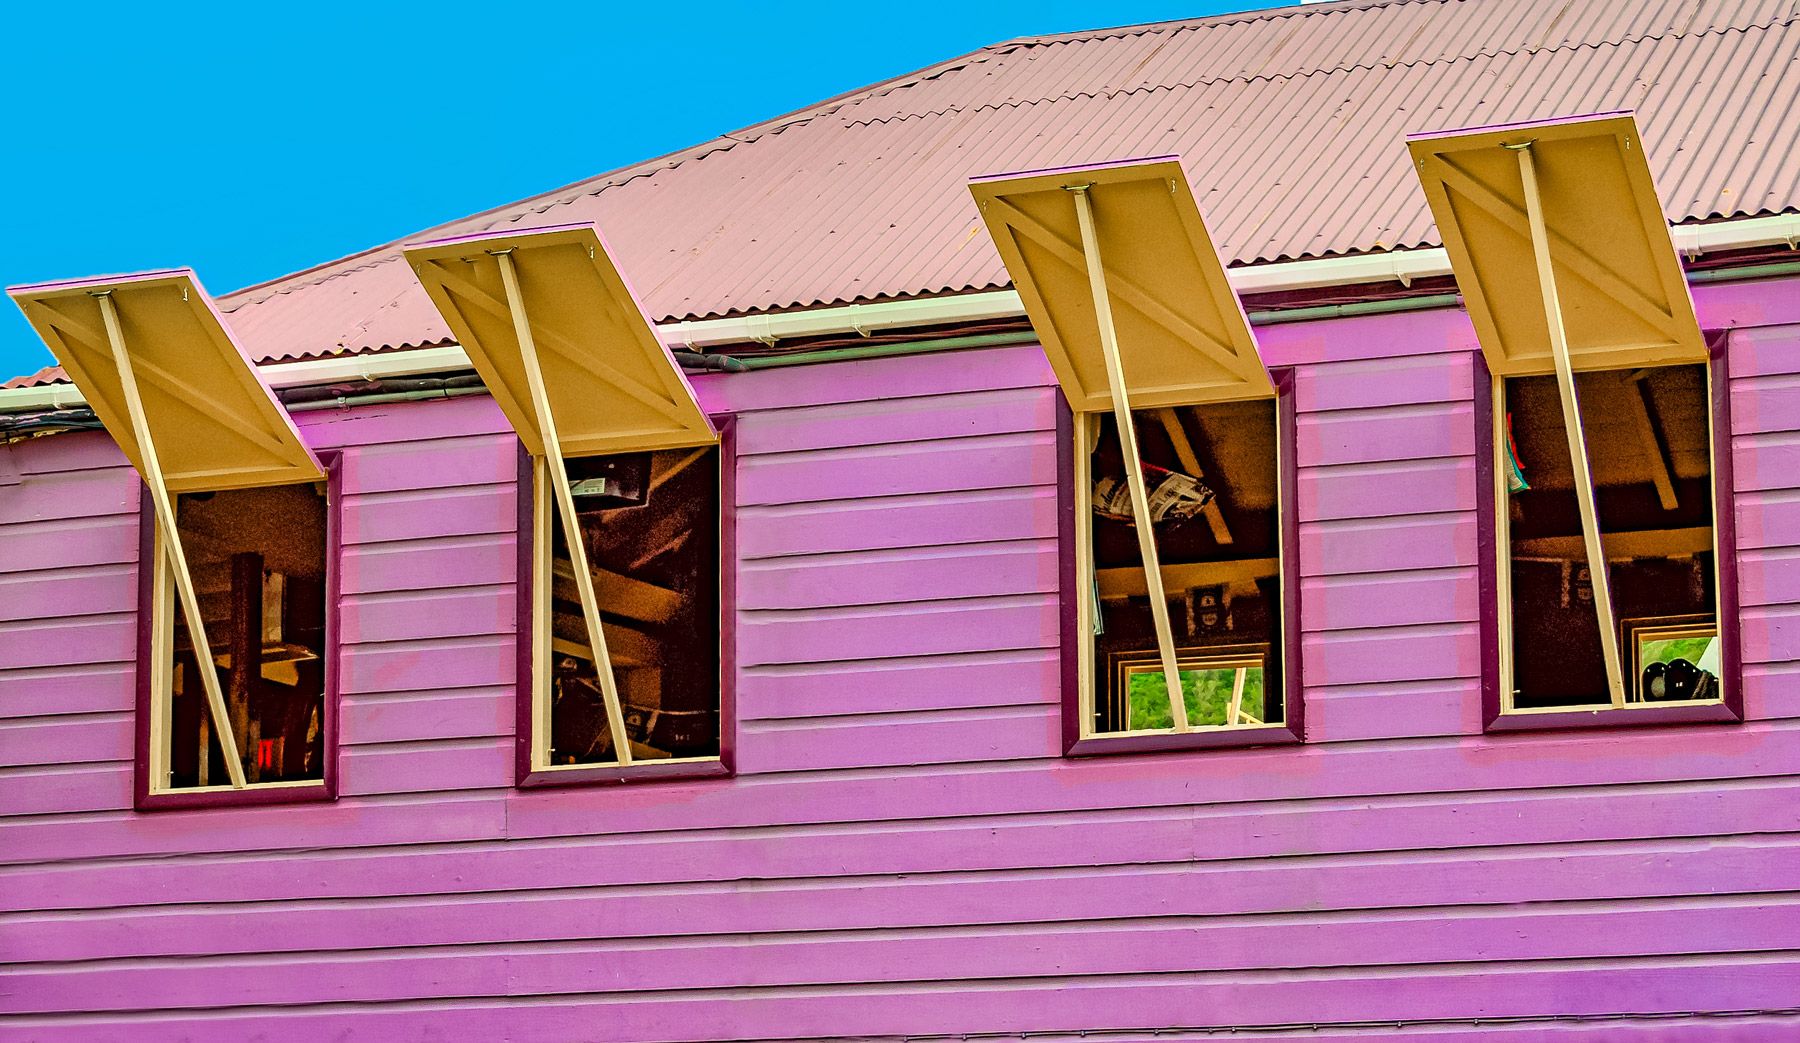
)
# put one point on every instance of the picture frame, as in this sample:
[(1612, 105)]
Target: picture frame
[(1232, 660), (1640, 637)]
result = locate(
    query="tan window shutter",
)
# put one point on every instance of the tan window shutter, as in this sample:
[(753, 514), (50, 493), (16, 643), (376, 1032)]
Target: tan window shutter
[(1182, 335), (1623, 297), (612, 385), (215, 425)]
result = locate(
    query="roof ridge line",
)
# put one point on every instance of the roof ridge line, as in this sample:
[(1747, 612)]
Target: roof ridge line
[(1151, 88), (1255, 14)]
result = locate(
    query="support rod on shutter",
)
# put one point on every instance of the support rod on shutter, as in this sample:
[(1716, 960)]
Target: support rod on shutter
[(171, 539), (1571, 411), (565, 504), (1134, 470)]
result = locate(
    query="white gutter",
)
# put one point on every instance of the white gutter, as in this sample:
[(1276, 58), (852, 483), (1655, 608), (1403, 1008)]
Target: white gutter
[(1401, 266)]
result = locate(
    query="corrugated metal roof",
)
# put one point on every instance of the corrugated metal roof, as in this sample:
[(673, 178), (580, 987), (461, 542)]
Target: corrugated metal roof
[(42, 378), (1291, 123)]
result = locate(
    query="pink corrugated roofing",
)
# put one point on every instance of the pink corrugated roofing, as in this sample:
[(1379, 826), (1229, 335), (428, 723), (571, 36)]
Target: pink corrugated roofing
[(1291, 123), (42, 378)]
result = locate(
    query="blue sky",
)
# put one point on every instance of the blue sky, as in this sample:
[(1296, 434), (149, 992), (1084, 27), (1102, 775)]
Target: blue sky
[(249, 145)]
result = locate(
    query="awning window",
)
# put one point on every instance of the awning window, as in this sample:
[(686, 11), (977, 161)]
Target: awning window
[(157, 365), (577, 368), (1129, 296), (1564, 258)]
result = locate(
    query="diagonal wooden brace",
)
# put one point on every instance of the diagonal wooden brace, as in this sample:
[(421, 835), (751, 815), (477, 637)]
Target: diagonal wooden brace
[(565, 506), (1134, 470), (171, 539), (1571, 411)]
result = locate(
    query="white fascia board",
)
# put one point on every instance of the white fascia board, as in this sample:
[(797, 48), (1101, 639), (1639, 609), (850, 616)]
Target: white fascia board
[(1401, 266)]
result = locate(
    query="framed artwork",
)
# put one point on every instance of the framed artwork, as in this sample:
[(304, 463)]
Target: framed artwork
[(1652, 643), (1222, 686)]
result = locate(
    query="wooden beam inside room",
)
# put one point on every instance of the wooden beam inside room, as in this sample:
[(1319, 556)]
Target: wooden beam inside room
[(1652, 439), (1190, 461)]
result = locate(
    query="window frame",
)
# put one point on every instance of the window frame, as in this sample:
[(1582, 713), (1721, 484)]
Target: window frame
[(1493, 553), (1077, 642), (148, 702), (526, 774)]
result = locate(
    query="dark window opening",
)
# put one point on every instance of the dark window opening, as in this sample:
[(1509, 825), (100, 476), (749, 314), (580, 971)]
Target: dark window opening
[(1649, 446), (1213, 483), (257, 557), (650, 522)]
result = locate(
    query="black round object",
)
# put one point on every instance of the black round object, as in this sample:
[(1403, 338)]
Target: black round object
[(1681, 679)]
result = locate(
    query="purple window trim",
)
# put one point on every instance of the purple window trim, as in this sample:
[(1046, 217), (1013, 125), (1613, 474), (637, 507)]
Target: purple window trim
[(326, 789), (725, 765), (1293, 727), (1728, 711)]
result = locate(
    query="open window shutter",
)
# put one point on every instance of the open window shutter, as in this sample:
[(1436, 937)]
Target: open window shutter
[(214, 423), (612, 385), (1182, 335), (1623, 297)]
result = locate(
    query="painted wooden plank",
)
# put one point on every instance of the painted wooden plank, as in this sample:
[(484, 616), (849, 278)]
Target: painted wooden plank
[(1765, 404), (1398, 335), (1402, 432), (1771, 691), (78, 641), (1769, 635), (42, 790), (1769, 576), (1767, 519), (984, 734), (904, 574), (1386, 599), (1369, 383), (387, 423), (444, 766), (1403, 653), (1300, 870), (435, 714), (388, 821), (57, 689), (421, 666), (872, 379), (49, 594), (1159, 946), (66, 739), (950, 465), (450, 561), (417, 615), (430, 464), (929, 628), (1393, 710), (917, 683), (1461, 883), (69, 543), (1770, 350), (417, 515), (1741, 306), (441, 1020), (1765, 462), (1428, 541), (1455, 993), (70, 451), (922, 520), (1390, 490), (76, 494), (895, 420), (1373, 797)]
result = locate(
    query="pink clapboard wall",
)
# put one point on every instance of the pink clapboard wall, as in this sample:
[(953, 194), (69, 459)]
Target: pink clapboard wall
[(904, 851)]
